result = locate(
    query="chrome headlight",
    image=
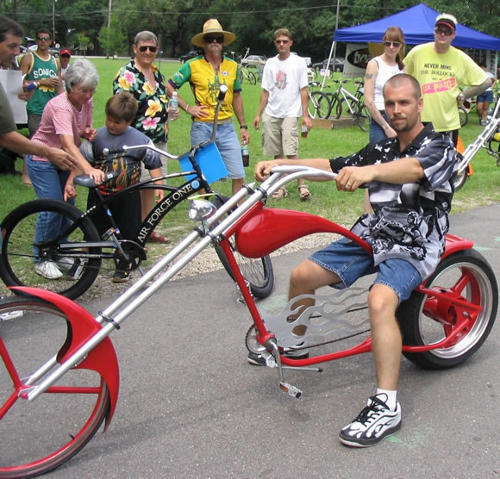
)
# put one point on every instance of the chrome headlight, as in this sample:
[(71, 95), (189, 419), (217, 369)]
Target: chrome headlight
[(200, 210)]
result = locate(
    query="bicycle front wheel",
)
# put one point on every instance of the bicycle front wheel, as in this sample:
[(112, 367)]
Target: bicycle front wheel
[(73, 266), (252, 78), (361, 118), (338, 108), (258, 272), (42, 434), (321, 104), (463, 115)]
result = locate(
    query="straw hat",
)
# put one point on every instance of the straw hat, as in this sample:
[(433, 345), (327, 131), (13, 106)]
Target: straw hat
[(212, 26)]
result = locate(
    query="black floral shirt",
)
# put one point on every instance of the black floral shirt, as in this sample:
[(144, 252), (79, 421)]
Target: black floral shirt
[(409, 221), (152, 114)]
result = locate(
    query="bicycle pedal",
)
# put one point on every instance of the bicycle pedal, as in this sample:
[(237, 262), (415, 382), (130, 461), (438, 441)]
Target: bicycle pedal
[(293, 391)]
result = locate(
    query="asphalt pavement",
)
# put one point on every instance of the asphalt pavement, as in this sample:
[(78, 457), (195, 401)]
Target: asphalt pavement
[(190, 406)]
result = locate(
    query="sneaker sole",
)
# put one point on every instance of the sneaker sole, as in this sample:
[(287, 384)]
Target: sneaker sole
[(369, 442)]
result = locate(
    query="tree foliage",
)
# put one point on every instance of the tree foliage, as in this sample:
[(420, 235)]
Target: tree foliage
[(253, 21)]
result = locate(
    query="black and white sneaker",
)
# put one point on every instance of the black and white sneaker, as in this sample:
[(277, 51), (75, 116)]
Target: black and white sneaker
[(374, 422)]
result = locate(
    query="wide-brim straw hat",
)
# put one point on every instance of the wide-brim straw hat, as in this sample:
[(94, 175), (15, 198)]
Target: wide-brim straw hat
[(213, 26)]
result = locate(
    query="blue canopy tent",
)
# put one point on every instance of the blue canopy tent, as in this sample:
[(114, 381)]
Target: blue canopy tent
[(417, 24)]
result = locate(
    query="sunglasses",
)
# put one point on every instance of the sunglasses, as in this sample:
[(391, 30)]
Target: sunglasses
[(151, 48), (392, 44), (443, 31), (284, 42), (210, 39), (43, 39)]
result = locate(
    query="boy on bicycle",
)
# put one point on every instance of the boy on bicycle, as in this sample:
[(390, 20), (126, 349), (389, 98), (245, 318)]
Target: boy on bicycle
[(121, 110)]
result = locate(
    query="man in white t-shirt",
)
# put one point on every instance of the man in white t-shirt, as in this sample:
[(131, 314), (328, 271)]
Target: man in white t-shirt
[(284, 100)]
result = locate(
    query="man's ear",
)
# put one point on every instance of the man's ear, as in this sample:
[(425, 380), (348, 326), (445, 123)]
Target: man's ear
[(420, 104)]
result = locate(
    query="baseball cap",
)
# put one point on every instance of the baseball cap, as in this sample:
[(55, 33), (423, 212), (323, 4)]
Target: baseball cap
[(447, 20), (65, 51)]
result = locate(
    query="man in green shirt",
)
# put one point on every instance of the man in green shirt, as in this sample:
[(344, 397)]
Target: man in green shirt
[(11, 35), (441, 70)]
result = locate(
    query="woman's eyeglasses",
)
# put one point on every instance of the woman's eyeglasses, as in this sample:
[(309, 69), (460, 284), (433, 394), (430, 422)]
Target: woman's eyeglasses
[(151, 48), (211, 39), (392, 44)]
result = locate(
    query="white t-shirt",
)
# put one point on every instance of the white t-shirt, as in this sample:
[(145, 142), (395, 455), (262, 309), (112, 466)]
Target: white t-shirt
[(283, 80), (385, 72)]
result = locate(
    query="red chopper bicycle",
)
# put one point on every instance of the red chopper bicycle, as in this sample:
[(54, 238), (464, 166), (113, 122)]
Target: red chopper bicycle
[(50, 408)]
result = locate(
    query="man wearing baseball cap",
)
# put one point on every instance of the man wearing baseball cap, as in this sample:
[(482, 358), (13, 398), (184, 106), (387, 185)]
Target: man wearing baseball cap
[(205, 74), (64, 57), (440, 69)]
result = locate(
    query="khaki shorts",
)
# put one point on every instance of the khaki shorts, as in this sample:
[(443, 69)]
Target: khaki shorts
[(280, 136), (145, 175)]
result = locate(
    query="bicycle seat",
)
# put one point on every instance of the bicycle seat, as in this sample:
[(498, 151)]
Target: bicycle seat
[(88, 182)]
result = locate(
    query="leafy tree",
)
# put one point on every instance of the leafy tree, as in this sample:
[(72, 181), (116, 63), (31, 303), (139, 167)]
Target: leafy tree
[(112, 40)]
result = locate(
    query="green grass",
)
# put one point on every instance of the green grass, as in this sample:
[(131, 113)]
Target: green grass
[(481, 189)]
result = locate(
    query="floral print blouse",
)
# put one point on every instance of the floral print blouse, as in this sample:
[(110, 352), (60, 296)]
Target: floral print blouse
[(152, 114)]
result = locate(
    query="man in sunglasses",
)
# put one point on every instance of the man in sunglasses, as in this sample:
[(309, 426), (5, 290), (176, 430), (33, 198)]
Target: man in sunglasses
[(283, 101), (11, 34), (205, 74), (440, 69), (43, 78)]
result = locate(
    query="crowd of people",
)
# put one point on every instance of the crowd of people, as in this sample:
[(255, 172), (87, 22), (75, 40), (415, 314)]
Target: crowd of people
[(408, 166)]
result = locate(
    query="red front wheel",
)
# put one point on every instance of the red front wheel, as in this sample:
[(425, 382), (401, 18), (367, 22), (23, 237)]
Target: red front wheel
[(459, 303), (40, 435)]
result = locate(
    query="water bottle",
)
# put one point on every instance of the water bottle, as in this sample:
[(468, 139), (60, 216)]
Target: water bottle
[(245, 157), (173, 104)]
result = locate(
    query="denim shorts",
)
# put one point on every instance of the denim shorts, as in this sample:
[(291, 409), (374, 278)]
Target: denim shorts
[(349, 261), (377, 133), (227, 142), (486, 96)]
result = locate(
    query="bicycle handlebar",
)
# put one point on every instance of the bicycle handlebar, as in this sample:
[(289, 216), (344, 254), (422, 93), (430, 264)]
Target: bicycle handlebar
[(125, 148), (307, 170)]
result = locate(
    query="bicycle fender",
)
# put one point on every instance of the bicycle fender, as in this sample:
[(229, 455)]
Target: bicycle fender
[(455, 243), (102, 359), (272, 228)]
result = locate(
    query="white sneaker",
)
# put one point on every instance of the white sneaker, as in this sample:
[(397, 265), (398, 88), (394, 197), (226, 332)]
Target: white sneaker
[(48, 269), (374, 422)]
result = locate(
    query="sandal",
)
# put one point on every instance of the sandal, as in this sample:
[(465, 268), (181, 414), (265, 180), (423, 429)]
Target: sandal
[(280, 193), (304, 192), (155, 237)]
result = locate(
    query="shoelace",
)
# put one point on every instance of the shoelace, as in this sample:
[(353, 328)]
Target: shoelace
[(376, 406)]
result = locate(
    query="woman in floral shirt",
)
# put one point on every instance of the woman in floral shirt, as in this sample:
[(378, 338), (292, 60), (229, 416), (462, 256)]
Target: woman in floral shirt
[(141, 78)]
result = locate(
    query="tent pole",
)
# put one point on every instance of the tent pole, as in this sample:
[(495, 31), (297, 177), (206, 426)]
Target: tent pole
[(333, 48)]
